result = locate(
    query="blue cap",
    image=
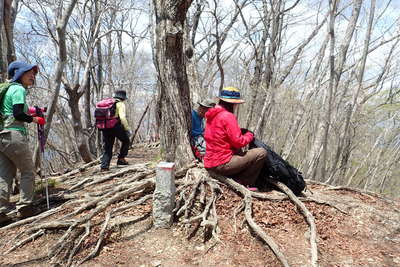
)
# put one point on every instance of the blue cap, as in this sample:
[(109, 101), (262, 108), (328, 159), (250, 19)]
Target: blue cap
[(17, 68)]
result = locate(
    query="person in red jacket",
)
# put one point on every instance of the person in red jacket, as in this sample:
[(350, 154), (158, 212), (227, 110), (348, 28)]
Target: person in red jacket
[(225, 140)]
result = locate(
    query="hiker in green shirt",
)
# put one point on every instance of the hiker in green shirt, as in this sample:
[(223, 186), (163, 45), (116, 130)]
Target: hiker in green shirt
[(14, 149)]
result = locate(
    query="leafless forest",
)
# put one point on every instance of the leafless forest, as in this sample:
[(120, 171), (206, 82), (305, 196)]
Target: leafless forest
[(319, 76)]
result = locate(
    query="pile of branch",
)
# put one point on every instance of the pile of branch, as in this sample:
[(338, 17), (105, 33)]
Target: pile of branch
[(197, 203), (89, 203)]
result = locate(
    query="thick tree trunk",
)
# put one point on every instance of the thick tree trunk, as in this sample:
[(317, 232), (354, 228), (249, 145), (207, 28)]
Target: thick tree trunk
[(6, 42), (174, 116), (62, 21), (80, 139)]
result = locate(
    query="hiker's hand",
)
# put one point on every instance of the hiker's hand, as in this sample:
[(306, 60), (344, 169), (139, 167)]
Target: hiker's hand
[(32, 111), (39, 120), (35, 111), (244, 130), (129, 133)]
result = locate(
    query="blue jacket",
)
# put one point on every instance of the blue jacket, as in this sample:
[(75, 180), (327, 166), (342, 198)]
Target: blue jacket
[(197, 124)]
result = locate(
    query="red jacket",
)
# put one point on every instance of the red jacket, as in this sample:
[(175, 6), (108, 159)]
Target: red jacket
[(223, 136)]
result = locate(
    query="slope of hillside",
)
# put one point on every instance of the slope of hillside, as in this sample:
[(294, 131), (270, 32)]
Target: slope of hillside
[(353, 228)]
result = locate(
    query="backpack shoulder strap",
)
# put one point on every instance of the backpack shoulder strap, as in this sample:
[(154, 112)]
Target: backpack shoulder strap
[(3, 90)]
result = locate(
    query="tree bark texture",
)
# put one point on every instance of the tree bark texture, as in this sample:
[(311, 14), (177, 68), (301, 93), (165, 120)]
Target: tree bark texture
[(61, 25), (7, 51), (80, 139), (174, 111)]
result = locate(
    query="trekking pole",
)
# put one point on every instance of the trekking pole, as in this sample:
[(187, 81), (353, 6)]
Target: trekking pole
[(42, 142)]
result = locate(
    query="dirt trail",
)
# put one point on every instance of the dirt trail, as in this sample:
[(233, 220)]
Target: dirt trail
[(357, 230)]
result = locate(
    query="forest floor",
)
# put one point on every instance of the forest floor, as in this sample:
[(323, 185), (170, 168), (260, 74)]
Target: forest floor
[(355, 229)]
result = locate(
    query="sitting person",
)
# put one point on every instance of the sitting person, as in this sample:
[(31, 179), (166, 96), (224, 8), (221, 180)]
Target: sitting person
[(197, 137), (225, 141)]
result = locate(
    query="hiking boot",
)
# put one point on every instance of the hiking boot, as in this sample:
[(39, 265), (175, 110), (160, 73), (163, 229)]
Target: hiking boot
[(104, 169), (122, 162)]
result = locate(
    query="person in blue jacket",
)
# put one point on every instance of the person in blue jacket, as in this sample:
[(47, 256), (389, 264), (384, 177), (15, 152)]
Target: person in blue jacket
[(197, 133)]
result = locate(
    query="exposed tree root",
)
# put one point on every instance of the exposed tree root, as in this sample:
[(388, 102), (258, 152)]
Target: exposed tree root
[(84, 167), (200, 185), (322, 202), (309, 217), (25, 241), (97, 206), (351, 189), (88, 211), (247, 199), (198, 194)]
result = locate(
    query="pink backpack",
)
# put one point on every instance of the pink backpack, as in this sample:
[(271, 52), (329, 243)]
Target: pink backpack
[(105, 114)]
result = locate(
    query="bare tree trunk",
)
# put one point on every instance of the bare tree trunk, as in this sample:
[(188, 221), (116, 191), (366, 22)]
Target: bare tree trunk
[(197, 92), (80, 138), (62, 21), (269, 74), (89, 128), (174, 96), (259, 52), (329, 95), (344, 144), (7, 19)]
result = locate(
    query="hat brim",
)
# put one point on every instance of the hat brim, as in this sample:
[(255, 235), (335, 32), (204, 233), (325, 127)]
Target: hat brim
[(18, 74), (232, 100), (204, 106)]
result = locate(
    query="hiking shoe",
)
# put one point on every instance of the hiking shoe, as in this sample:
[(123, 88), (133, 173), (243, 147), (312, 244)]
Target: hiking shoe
[(104, 169), (122, 162)]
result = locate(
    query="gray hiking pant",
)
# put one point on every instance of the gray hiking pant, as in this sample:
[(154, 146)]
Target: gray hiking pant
[(15, 154), (243, 167)]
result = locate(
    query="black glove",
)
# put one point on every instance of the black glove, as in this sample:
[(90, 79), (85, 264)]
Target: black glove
[(244, 130)]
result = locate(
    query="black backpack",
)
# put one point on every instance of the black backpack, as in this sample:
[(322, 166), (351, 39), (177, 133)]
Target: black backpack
[(275, 167)]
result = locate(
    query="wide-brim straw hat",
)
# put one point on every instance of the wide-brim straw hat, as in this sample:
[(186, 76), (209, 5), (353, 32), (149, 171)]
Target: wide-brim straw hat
[(231, 95)]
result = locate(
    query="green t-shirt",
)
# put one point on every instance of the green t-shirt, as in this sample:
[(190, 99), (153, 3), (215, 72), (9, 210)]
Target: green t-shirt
[(16, 94)]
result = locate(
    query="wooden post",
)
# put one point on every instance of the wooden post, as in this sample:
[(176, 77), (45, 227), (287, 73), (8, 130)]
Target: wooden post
[(164, 195)]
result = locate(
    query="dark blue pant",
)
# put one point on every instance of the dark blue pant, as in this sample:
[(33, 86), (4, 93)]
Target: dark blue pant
[(109, 136)]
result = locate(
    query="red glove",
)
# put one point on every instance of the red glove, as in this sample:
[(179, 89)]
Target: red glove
[(40, 120)]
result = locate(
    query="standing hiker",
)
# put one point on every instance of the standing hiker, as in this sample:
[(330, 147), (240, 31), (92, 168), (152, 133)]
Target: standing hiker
[(225, 139), (121, 131), (14, 149), (197, 134)]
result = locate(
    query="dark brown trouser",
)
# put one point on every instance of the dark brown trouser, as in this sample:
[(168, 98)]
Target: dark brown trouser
[(244, 168)]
